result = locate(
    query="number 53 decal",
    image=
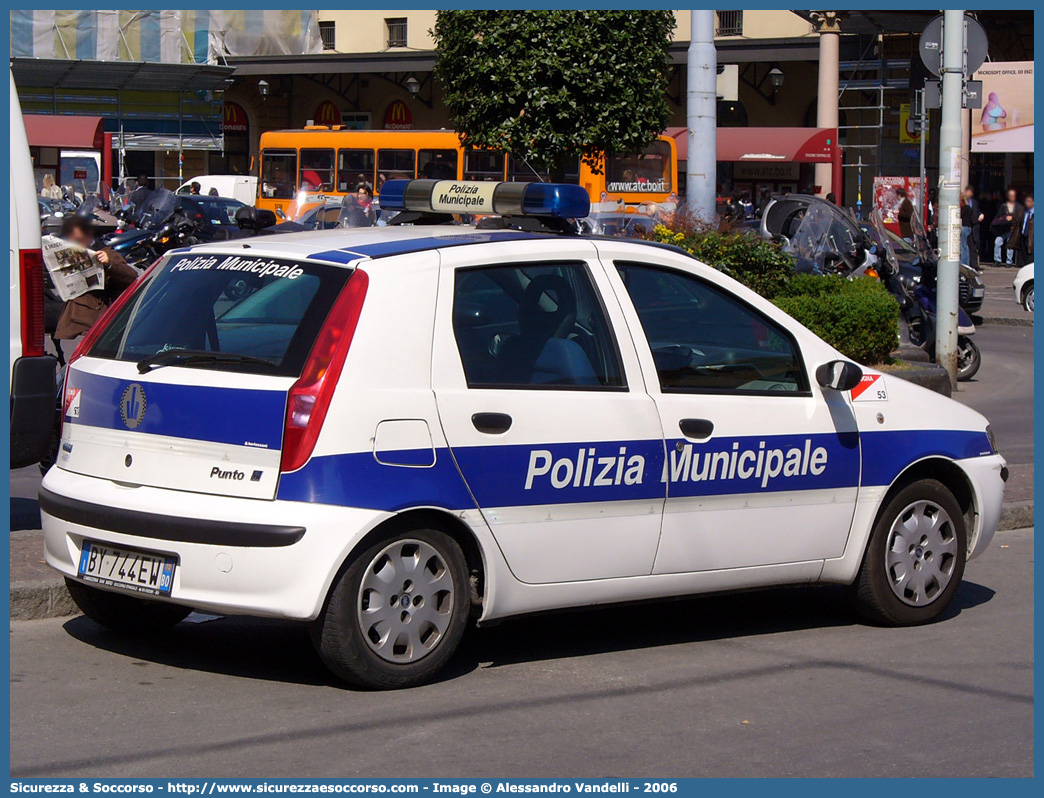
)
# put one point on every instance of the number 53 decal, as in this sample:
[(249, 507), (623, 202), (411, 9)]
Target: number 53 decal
[(871, 388)]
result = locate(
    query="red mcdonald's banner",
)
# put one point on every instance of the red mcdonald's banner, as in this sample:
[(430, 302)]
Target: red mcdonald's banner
[(398, 117), (327, 114), (234, 118)]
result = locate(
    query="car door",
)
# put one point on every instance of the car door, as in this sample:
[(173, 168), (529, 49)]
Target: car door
[(763, 466), (543, 405)]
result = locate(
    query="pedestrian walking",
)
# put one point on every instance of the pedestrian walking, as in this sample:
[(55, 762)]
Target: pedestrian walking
[(1007, 229), (1027, 230), (971, 216), (988, 206)]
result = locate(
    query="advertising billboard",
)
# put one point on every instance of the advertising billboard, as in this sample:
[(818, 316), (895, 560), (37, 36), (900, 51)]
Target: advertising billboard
[(1005, 121)]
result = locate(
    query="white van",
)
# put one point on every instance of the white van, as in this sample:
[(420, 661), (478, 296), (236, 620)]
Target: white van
[(32, 372), (240, 187)]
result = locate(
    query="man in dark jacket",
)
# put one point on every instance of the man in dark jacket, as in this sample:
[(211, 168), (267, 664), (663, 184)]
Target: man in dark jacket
[(1027, 229), (971, 216), (80, 314), (904, 214), (1007, 227)]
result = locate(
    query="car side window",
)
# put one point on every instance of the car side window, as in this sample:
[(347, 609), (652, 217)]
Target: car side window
[(533, 326), (703, 339)]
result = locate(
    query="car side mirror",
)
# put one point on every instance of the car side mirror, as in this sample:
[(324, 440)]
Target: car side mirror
[(839, 375)]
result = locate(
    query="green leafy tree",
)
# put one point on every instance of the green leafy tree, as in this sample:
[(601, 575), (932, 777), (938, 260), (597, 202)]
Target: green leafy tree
[(549, 86)]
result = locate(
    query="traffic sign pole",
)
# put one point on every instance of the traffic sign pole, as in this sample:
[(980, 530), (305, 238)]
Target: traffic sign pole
[(948, 278), (702, 118)]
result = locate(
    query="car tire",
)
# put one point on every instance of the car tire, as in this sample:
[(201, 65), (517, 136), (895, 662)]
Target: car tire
[(1027, 296), (914, 561), (123, 613), (396, 615)]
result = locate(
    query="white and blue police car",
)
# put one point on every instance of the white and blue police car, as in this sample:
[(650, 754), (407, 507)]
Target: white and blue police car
[(388, 432)]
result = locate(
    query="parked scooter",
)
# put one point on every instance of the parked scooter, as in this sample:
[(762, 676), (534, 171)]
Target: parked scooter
[(917, 303)]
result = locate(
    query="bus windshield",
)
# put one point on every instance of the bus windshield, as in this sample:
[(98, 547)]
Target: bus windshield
[(649, 172)]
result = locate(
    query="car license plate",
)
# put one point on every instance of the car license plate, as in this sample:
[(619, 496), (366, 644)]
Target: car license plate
[(978, 292), (127, 569)]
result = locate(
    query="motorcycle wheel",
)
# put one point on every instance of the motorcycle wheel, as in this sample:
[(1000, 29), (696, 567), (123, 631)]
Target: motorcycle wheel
[(915, 331), (969, 358)]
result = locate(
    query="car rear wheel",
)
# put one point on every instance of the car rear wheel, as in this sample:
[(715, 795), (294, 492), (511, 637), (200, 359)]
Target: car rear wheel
[(397, 613), (915, 558), (123, 613), (1027, 297)]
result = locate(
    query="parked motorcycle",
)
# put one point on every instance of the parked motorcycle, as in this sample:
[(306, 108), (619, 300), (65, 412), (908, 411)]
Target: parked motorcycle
[(917, 302), (822, 238)]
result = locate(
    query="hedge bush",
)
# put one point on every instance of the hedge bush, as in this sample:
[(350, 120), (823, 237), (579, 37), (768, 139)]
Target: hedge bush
[(760, 265), (858, 317)]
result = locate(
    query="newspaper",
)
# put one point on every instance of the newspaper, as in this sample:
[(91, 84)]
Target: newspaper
[(74, 270)]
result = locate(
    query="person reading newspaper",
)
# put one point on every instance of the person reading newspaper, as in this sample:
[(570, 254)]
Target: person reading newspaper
[(81, 312)]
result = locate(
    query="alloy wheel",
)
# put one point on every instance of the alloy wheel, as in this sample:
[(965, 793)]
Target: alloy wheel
[(405, 601), (921, 553)]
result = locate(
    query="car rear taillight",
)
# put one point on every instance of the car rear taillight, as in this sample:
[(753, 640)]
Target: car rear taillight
[(103, 321), (31, 282), (309, 398)]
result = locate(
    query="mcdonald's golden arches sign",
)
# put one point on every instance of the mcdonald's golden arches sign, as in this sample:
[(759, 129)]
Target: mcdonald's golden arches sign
[(234, 118), (398, 117), (327, 114)]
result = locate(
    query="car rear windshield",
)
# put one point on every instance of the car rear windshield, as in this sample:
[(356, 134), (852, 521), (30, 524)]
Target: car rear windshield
[(261, 314)]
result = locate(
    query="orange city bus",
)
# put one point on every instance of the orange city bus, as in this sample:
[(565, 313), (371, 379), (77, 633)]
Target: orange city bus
[(333, 161)]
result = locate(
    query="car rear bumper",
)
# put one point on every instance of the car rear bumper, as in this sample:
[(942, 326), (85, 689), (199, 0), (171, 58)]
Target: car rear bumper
[(33, 408), (235, 556)]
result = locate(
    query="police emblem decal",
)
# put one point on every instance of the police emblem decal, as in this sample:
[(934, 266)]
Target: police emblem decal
[(132, 405)]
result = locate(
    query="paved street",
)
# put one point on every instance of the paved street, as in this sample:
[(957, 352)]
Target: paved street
[(1003, 388), (1003, 392), (773, 683), (659, 689), (1000, 295)]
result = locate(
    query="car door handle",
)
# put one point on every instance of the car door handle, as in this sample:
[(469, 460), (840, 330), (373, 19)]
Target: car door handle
[(492, 423), (698, 428)]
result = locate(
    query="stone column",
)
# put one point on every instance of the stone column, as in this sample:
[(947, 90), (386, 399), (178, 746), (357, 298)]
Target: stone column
[(828, 24)]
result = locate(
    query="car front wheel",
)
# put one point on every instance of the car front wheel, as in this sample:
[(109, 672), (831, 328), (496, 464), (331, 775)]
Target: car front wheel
[(915, 558), (397, 613), (1027, 297)]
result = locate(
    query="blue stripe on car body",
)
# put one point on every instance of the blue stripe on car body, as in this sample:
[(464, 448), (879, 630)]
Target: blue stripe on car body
[(498, 473), (236, 416)]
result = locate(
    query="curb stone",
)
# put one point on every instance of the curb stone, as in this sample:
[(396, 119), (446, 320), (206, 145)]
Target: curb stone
[(1016, 515), (32, 601), (43, 599), (1006, 321), (927, 375)]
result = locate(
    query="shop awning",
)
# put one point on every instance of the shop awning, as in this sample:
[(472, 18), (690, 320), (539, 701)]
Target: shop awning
[(70, 132), (767, 144)]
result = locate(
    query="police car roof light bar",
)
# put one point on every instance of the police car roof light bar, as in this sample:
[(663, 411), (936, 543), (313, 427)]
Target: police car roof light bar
[(555, 200)]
